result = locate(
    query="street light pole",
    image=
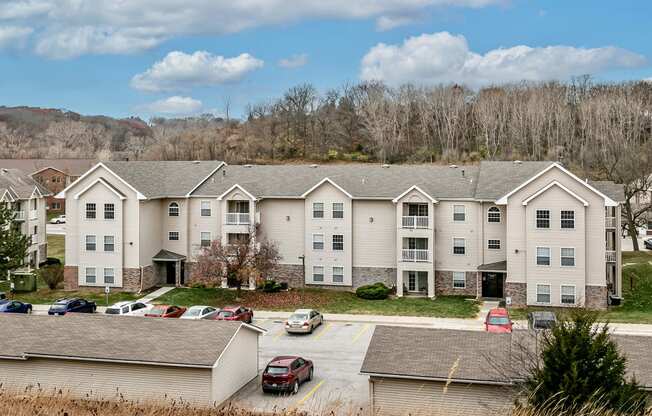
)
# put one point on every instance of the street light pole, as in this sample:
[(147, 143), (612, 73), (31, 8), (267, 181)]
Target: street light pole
[(303, 275)]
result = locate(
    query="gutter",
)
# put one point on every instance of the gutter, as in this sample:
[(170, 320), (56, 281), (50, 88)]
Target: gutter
[(441, 379), (109, 360)]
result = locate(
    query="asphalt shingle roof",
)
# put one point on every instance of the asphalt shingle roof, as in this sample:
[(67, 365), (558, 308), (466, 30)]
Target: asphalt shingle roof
[(20, 184), (73, 167)]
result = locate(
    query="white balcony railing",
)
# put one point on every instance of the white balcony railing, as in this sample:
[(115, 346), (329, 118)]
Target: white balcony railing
[(416, 255), (610, 256), (412, 221), (237, 218), (35, 239), (19, 216), (610, 222), (33, 214)]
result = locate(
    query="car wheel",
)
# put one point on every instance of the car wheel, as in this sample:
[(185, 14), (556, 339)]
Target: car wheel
[(311, 329), (295, 387), (29, 311), (310, 374)]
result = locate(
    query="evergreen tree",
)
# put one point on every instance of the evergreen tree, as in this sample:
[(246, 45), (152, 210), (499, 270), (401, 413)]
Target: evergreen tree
[(13, 243)]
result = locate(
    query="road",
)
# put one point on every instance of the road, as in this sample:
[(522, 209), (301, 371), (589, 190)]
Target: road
[(55, 229)]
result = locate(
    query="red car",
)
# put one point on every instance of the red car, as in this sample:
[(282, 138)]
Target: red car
[(286, 373), (498, 321), (165, 311), (234, 313)]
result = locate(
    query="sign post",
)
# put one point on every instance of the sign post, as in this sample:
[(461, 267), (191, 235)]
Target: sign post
[(107, 290)]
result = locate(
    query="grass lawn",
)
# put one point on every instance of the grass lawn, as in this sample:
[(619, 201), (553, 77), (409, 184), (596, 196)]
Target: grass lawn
[(328, 301), (56, 246)]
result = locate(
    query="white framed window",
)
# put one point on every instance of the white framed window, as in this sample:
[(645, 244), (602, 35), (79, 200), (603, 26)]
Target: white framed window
[(338, 274), (568, 294), (109, 243), (318, 241), (205, 208), (56, 206), (543, 256), (493, 214), (493, 244), (459, 280), (338, 242), (173, 209), (338, 210), (91, 211), (459, 213), (543, 218), (205, 239), (91, 243), (90, 275), (109, 276), (317, 273), (109, 211), (459, 246), (567, 218), (567, 256), (173, 235), (543, 293), (318, 210)]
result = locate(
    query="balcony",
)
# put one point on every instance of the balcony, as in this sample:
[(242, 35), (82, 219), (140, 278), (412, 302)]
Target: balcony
[(33, 214), (19, 216), (413, 221), (35, 239), (610, 222), (610, 256), (415, 255), (237, 218)]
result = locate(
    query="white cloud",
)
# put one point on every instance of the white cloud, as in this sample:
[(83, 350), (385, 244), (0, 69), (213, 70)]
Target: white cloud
[(176, 105), (180, 71), (385, 23), (445, 58), (294, 61), (647, 79), (14, 35), (68, 28)]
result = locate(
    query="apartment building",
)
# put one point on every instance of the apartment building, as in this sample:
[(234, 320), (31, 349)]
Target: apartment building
[(28, 199), (530, 232)]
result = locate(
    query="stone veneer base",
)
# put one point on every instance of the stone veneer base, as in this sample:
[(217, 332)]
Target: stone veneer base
[(517, 292), (130, 279), (596, 297), (292, 274), (444, 284)]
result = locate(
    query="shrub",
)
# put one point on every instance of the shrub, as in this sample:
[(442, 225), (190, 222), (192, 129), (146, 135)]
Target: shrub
[(51, 275), (373, 292), (271, 286)]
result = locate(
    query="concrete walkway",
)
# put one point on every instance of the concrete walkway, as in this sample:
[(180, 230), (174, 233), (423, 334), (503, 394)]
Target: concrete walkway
[(155, 294)]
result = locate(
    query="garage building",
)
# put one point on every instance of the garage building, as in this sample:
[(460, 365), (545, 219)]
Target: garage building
[(107, 357)]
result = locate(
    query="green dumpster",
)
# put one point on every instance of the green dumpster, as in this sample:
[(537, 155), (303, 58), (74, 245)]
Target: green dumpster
[(24, 282)]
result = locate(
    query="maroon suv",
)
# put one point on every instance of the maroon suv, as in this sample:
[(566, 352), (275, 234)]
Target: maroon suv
[(286, 373)]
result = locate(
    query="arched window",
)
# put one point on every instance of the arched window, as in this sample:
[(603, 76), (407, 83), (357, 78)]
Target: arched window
[(493, 214), (173, 209)]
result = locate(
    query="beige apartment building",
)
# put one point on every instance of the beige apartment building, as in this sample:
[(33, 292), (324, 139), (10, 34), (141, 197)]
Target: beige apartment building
[(530, 232)]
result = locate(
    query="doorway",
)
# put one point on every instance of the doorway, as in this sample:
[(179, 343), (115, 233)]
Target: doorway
[(492, 285), (171, 273)]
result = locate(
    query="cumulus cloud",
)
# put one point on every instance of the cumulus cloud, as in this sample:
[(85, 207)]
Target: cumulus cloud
[(445, 58), (176, 105), (14, 35), (385, 23), (69, 28), (181, 71), (294, 61)]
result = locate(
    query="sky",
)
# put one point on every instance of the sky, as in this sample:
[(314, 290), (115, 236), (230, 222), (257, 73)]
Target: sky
[(174, 58)]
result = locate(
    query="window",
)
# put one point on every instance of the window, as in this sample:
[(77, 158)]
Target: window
[(91, 242), (543, 218), (173, 236), (338, 274), (338, 242), (205, 208), (90, 275), (543, 256), (318, 210), (493, 214), (318, 241), (317, 273), (109, 276), (568, 295), (205, 238), (173, 209), (56, 206), (109, 243), (415, 210), (543, 293), (91, 211), (493, 244), (237, 238), (338, 210), (567, 220), (459, 280), (459, 246), (459, 213), (109, 211), (567, 255)]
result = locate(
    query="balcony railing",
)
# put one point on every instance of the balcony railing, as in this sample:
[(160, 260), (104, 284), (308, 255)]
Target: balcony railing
[(610, 222), (19, 216), (237, 218), (610, 256), (33, 214), (412, 221), (410, 254), (35, 239)]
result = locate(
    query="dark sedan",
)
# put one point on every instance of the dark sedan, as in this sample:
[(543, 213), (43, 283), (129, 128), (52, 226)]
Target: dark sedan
[(14, 306), (648, 243), (70, 305)]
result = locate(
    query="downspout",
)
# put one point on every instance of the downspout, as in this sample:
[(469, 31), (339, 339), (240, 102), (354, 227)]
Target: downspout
[(478, 274), (141, 280)]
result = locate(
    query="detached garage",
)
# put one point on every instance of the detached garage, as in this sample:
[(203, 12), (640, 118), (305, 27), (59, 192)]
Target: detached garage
[(107, 357)]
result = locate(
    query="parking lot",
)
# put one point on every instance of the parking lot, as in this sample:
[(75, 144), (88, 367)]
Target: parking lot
[(337, 350)]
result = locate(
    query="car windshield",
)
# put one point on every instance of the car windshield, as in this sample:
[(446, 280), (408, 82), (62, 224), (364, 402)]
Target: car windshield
[(277, 370), (225, 314), (157, 310), (299, 317), (498, 320), (113, 311), (61, 302), (192, 312)]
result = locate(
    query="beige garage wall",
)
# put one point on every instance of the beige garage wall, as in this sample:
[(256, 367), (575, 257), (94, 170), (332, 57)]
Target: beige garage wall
[(237, 366)]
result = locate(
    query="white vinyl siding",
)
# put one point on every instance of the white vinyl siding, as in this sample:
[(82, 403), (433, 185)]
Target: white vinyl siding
[(459, 280), (543, 293)]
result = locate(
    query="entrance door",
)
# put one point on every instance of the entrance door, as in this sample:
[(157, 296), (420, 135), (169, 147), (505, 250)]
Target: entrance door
[(492, 285), (170, 273), (417, 281), (183, 273)]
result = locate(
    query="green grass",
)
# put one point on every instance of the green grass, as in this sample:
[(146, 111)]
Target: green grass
[(56, 247), (328, 301)]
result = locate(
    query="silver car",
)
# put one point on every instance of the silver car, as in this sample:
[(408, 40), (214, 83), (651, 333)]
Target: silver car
[(303, 321)]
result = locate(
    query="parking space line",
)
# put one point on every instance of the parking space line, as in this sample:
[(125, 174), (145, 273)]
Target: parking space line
[(307, 396), (359, 334), (278, 335), (326, 328)]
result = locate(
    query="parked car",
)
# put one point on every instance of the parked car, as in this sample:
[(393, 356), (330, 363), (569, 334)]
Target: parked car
[(66, 305), (2, 295), (648, 243), (61, 219), (303, 321), (234, 313), (286, 373), (14, 306), (541, 320), (126, 308), (199, 312), (498, 321), (165, 311)]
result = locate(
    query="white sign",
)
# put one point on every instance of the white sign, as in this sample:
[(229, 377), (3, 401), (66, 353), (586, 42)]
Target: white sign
[(107, 289), (508, 300)]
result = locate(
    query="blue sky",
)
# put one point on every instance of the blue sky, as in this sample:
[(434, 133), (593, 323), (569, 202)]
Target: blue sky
[(174, 57)]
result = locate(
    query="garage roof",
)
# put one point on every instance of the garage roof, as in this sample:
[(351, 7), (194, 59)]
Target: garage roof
[(153, 341)]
